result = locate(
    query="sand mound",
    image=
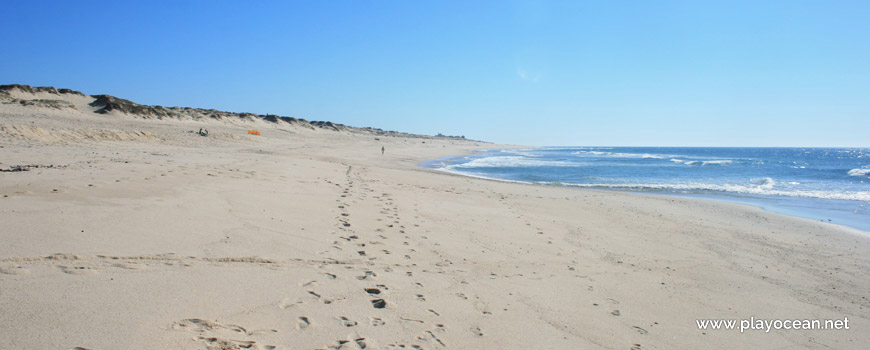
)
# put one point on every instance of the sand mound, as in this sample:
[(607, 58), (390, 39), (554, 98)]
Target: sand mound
[(47, 97), (52, 100), (33, 133), (15, 90), (106, 104), (55, 104)]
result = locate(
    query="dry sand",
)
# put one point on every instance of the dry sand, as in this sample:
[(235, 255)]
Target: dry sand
[(144, 237)]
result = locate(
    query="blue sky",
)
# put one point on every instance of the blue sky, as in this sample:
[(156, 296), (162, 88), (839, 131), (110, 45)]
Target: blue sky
[(647, 73)]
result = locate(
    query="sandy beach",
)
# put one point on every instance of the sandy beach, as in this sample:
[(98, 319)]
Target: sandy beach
[(127, 230)]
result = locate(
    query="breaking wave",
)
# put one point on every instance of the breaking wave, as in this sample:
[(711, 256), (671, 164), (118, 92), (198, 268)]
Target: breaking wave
[(809, 173), (621, 155), (764, 187), (859, 172), (704, 162), (511, 162)]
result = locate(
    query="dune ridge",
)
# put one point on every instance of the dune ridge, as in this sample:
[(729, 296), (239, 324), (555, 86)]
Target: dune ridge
[(103, 104)]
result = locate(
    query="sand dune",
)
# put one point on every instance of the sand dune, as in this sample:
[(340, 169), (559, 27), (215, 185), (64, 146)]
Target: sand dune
[(123, 229)]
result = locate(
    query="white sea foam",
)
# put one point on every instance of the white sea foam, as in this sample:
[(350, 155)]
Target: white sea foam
[(621, 155), (706, 162), (717, 162), (764, 183), (762, 187), (653, 156), (523, 152), (574, 147), (511, 162)]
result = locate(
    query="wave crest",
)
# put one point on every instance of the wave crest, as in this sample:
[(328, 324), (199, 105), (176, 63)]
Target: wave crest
[(859, 172), (511, 162), (621, 155), (704, 162), (761, 187)]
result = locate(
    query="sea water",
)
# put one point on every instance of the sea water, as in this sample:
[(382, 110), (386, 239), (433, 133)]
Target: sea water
[(827, 184)]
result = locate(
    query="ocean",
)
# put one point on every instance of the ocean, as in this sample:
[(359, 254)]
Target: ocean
[(826, 184)]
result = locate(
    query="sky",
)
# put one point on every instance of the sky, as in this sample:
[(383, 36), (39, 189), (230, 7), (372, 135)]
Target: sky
[(584, 73)]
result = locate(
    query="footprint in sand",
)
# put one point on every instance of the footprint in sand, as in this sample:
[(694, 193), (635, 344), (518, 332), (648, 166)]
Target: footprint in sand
[(303, 322), (130, 266), (208, 329), (367, 275), (476, 331), (434, 337), (396, 346), (347, 322), (15, 270), (376, 321), (220, 343), (379, 303), (286, 303), (79, 270), (342, 344), (324, 300)]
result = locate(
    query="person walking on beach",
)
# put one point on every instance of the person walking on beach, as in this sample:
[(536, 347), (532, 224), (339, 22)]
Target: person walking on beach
[(382, 149)]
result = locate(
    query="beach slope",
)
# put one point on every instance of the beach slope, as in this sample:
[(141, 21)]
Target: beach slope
[(123, 228)]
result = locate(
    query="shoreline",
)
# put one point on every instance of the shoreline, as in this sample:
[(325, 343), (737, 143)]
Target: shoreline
[(695, 196), (761, 201)]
